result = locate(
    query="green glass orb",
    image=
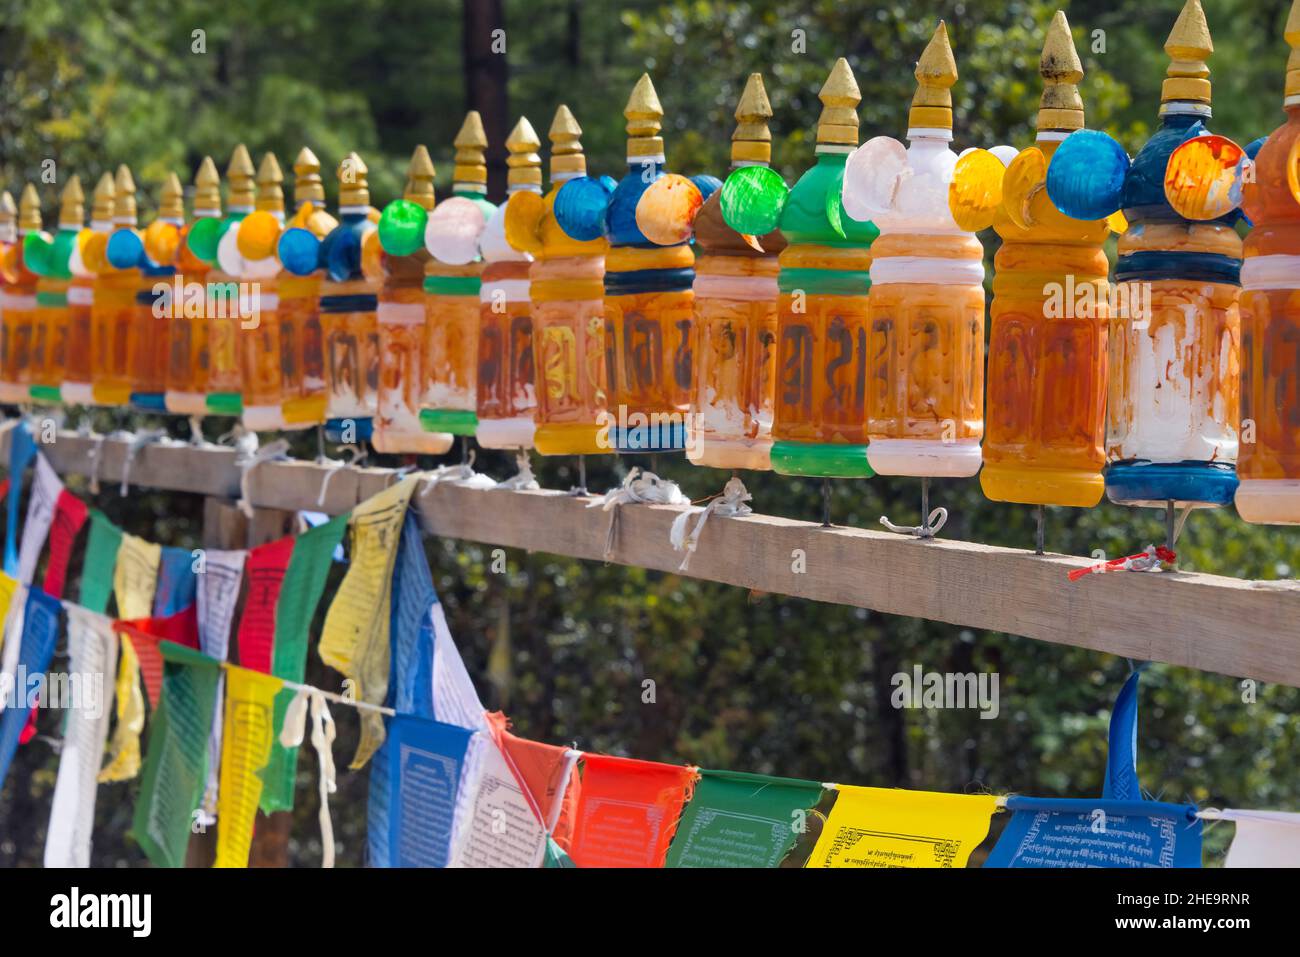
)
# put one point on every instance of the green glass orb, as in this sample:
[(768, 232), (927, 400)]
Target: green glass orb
[(752, 199), (203, 238), (401, 227), (61, 252)]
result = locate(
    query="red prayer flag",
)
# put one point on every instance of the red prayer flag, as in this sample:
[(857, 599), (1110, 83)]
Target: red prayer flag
[(265, 569), (145, 633), (539, 768), (69, 515), (628, 811)]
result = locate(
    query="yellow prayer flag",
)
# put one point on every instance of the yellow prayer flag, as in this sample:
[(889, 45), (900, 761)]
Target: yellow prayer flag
[(876, 827), (124, 748), (8, 587), (135, 577), (249, 729), (355, 638)]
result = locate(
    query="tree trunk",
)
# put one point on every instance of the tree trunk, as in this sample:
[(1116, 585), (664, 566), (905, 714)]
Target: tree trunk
[(485, 47)]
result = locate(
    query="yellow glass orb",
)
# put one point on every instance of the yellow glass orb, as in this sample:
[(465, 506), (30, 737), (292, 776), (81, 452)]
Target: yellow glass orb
[(258, 233)]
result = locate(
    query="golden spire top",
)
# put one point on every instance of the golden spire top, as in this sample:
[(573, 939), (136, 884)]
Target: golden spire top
[(29, 210), (1189, 46), (72, 205), (524, 162), (840, 96), (1293, 64), (239, 173), (171, 203), (270, 195), (470, 143), (752, 141), (354, 190), (101, 210), (567, 158), (936, 72), (124, 208), (419, 178), (207, 188), (644, 117), (1061, 107), (308, 187)]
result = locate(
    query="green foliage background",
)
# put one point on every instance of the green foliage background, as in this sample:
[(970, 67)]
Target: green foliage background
[(755, 682)]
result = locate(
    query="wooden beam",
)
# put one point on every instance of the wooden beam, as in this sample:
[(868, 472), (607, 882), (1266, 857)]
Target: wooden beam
[(1225, 625)]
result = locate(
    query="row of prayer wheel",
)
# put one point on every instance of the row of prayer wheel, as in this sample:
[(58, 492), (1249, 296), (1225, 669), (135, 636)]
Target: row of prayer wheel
[(834, 328)]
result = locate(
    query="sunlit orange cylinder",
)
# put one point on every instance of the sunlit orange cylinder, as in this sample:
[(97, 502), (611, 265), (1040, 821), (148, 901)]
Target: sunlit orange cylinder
[(49, 348), (17, 320), (187, 340), (302, 362), (1269, 459), (1045, 422)]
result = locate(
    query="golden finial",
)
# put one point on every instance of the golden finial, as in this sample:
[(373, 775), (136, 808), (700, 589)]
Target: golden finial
[(840, 97), (470, 142), (8, 213), (207, 189), (567, 158), (270, 195), (308, 187), (72, 205), (124, 208), (936, 72), (1061, 107), (239, 174), (419, 178), (172, 199), (524, 162), (101, 210), (644, 114), (1293, 64), (752, 141), (29, 210), (353, 188), (1189, 46)]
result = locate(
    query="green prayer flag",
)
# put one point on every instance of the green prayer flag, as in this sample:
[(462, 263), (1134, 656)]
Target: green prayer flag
[(101, 558), (741, 820), (176, 766), (300, 593)]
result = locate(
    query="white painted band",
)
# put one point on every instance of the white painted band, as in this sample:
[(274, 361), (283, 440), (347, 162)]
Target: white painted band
[(514, 290), (80, 296), (1260, 273), (516, 433), (921, 458), (929, 133), (401, 313), (927, 269), (741, 288)]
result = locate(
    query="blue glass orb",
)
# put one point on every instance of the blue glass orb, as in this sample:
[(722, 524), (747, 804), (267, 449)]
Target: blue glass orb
[(343, 254), (125, 249), (299, 251), (1085, 179), (580, 207), (706, 184)]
